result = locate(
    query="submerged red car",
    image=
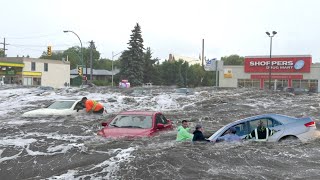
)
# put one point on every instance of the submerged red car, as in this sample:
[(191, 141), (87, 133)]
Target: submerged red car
[(135, 124)]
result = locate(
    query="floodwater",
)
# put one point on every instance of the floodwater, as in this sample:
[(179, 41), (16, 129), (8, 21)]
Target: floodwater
[(68, 148)]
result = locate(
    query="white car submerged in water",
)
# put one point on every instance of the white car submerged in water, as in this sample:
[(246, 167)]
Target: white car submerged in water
[(58, 108), (286, 127)]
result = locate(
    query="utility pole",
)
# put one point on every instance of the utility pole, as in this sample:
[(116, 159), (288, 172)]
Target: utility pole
[(4, 47), (202, 52), (91, 58)]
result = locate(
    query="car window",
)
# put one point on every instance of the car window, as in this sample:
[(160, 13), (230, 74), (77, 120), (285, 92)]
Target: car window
[(275, 123), (61, 105), (183, 91), (132, 121), (79, 105), (161, 119), (268, 122), (242, 129)]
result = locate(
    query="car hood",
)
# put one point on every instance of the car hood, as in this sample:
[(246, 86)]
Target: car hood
[(48, 112), (124, 132)]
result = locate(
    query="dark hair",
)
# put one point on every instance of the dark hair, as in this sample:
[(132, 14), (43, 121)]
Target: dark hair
[(198, 126), (84, 98), (184, 121)]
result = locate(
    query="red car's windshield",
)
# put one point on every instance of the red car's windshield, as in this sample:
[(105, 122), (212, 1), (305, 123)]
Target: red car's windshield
[(132, 121)]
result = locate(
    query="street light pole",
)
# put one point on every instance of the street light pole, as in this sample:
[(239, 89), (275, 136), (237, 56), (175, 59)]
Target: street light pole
[(66, 31), (271, 36), (113, 55)]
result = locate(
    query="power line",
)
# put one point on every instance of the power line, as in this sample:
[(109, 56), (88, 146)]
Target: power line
[(33, 45), (35, 37)]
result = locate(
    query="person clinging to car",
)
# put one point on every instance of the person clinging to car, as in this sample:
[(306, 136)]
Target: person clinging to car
[(261, 133), (184, 132), (92, 106), (230, 136)]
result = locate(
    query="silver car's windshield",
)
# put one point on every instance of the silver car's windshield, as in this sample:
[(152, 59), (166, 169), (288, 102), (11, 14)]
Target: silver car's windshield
[(182, 90), (132, 121), (61, 105)]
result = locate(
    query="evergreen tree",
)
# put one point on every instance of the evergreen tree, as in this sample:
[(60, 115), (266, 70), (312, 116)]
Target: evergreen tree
[(132, 60), (148, 66), (156, 75)]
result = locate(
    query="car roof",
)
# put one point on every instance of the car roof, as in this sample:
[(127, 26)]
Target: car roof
[(145, 113), (68, 100), (282, 118)]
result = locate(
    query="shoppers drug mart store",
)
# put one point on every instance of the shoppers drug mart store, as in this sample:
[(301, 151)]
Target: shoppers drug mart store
[(286, 71)]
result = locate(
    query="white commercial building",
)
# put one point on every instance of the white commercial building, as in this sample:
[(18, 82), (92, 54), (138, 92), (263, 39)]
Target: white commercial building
[(35, 72), (296, 71)]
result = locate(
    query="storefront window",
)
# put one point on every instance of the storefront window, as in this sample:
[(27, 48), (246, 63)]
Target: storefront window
[(240, 83), (249, 83), (313, 87), (27, 81)]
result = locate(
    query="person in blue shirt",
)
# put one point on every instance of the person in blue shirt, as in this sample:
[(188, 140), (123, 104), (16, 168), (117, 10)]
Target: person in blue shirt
[(231, 136)]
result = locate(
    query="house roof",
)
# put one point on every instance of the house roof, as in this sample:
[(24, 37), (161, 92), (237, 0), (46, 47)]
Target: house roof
[(96, 72)]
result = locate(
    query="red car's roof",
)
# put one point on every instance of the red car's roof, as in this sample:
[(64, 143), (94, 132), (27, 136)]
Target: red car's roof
[(145, 113)]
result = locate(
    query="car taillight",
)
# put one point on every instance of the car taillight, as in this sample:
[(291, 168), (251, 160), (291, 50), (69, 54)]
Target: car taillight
[(310, 124)]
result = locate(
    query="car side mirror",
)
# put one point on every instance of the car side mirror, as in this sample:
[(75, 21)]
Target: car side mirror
[(104, 124), (160, 126)]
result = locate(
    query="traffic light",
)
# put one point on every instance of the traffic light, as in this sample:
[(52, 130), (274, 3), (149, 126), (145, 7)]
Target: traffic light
[(79, 70), (49, 53)]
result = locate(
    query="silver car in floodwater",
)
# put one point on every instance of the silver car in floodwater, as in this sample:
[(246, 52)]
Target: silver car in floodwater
[(285, 127)]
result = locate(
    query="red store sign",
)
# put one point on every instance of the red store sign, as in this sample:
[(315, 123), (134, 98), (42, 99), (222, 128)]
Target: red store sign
[(266, 76), (278, 64)]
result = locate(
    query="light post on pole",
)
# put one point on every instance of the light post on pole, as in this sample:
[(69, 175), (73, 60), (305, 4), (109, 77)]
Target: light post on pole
[(66, 31), (271, 36), (113, 55)]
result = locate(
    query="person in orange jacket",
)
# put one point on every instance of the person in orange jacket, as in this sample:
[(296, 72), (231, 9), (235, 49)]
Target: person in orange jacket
[(92, 106)]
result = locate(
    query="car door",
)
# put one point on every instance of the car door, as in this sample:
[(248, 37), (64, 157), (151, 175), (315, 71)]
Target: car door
[(269, 123), (161, 119)]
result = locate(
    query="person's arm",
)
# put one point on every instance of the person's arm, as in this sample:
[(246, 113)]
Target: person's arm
[(219, 139)]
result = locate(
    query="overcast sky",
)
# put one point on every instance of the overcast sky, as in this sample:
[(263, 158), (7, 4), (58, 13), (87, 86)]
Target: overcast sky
[(168, 26)]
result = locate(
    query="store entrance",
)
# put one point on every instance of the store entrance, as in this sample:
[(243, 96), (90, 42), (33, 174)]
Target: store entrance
[(276, 84), (281, 84)]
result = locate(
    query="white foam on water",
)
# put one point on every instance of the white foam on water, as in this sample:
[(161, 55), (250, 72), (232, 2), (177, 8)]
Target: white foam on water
[(56, 136), (165, 102), (109, 166), (17, 122), (18, 142), (2, 159), (60, 149)]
